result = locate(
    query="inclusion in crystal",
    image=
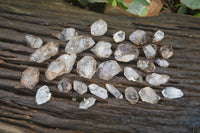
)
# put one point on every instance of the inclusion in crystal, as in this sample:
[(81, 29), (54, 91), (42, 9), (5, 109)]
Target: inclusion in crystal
[(149, 95), (138, 37), (131, 95), (99, 28), (157, 79), (65, 85), (166, 52), (102, 49), (146, 66), (119, 36)]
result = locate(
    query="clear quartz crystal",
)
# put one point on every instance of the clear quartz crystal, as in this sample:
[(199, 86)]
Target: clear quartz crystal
[(146, 65), (166, 52), (119, 36), (150, 51), (132, 75), (126, 52), (80, 87), (45, 52), (149, 95), (43, 95), (102, 49), (99, 28), (162, 62), (172, 93), (138, 37), (33, 41), (65, 85), (131, 95), (86, 67), (108, 69), (98, 91), (67, 34), (157, 79), (86, 103), (79, 44), (114, 91), (158, 36)]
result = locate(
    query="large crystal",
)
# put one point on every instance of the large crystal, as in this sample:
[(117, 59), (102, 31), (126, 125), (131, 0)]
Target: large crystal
[(146, 65), (157, 79), (108, 69), (102, 49), (172, 93), (65, 85), (86, 103), (86, 67), (67, 34), (43, 95), (114, 91), (45, 52), (149, 95), (150, 51), (132, 75), (98, 91), (78, 44), (33, 41), (30, 77), (158, 36), (162, 62), (119, 36), (126, 52), (139, 37), (99, 28), (80, 87), (166, 52), (131, 95)]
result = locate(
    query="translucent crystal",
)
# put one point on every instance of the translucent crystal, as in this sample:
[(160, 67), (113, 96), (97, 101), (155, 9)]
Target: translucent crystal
[(43, 95), (80, 87), (146, 65), (33, 41), (131, 95), (86, 67), (65, 85), (79, 44), (45, 52), (158, 36), (86, 103), (67, 34), (126, 52), (114, 91), (172, 93), (119, 36), (157, 79), (162, 62), (139, 37), (99, 28), (149, 95), (30, 77), (132, 75), (150, 51), (98, 91), (108, 69), (102, 49), (166, 52)]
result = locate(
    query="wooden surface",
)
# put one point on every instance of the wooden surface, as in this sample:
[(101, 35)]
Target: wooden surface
[(19, 112)]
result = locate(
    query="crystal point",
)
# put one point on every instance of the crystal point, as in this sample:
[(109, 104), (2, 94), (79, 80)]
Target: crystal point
[(98, 91)]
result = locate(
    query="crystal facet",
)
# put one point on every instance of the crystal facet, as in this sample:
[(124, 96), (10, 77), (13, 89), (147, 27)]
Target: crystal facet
[(80, 87), (132, 75), (150, 51), (157, 79), (166, 52), (119, 36), (149, 95), (99, 28), (131, 95), (33, 41), (158, 36), (43, 95), (114, 91), (162, 62), (146, 65), (98, 91), (172, 93), (139, 37), (86, 103), (102, 49), (65, 85), (67, 34)]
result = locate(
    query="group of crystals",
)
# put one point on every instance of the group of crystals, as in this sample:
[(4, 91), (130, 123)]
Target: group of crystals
[(86, 67)]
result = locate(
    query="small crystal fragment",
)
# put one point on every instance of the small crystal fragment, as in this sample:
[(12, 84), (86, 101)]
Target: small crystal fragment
[(131, 95), (45, 52), (99, 28), (43, 95), (33, 41), (79, 44), (157, 79), (166, 52), (162, 62), (65, 85), (98, 91), (67, 34), (132, 75), (138, 37), (172, 93), (86, 103), (126, 52), (30, 77), (150, 51), (102, 49), (149, 95), (108, 69), (80, 87), (146, 65), (114, 91), (119, 36), (86, 67), (158, 36)]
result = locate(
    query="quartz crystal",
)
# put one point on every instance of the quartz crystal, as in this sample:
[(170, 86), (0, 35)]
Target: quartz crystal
[(65, 85), (157, 79), (172, 93), (43, 95), (166, 52), (45, 52), (131, 95), (119, 36), (33, 41), (126, 52), (158, 36), (102, 49), (162, 62), (78, 44), (98, 91), (114, 91), (79, 87), (150, 51), (61, 65), (67, 34), (138, 37), (86, 67), (99, 28), (149, 95), (86, 103), (108, 69), (132, 75), (146, 65), (30, 77)]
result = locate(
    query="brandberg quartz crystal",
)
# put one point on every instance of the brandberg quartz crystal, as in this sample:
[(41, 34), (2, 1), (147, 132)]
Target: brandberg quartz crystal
[(138, 37), (166, 52), (158, 36), (43, 95), (149, 95), (150, 51), (131, 95), (86, 103), (157, 79), (119, 36), (65, 85), (132, 75), (102, 49), (162, 62), (172, 93), (33, 41), (146, 65), (99, 28), (98, 91), (80, 87), (67, 34), (114, 91)]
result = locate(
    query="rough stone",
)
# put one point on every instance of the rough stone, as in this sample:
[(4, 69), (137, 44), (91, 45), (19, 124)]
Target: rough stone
[(146, 66), (119, 36), (138, 37), (65, 85), (158, 36), (33, 41), (67, 34), (172, 93), (99, 28), (162, 62), (98, 91), (131, 95), (166, 52), (132, 75), (157, 79), (43, 95), (79, 87), (114, 91), (102, 49), (150, 51), (86, 103)]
